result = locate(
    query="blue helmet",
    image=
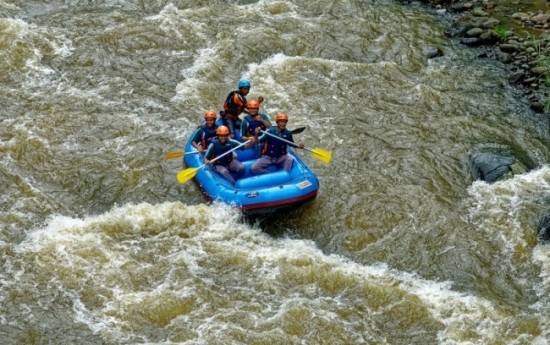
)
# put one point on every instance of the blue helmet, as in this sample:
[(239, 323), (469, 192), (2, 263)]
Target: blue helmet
[(244, 83)]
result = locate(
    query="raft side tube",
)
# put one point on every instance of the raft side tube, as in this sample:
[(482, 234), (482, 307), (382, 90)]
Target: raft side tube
[(265, 180)]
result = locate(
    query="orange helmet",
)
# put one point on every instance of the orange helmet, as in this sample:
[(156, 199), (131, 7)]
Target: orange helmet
[(210, 114), (281, 116), (253, 105), (222, 130)]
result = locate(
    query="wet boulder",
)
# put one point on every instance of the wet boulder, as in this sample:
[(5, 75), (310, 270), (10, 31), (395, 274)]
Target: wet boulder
[(544, 229), (471, 41), (490, 166), (432, 52)]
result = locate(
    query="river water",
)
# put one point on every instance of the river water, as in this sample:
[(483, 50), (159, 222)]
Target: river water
[(101, 245)]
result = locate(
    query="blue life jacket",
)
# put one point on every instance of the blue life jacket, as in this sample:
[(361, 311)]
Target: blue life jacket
[(219, 149), (207, 135), (251, 125), (274, 147)]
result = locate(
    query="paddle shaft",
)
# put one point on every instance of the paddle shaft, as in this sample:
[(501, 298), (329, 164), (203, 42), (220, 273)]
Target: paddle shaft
[(225, 154), (286, 141), (320, 154)]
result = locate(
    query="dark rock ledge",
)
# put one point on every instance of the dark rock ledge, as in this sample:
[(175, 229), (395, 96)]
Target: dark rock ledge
[(522, 44), (526, 53)]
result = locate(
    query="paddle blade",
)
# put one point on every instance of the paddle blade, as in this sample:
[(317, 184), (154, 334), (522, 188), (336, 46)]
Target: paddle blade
[(172, 155), (322, 155), (187, 174), (297, 130), (178, 154)]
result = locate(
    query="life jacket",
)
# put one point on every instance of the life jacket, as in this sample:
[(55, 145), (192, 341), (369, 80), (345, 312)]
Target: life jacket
[(251, 126), (207, 135), (234, 105), (274, 147), (219, 149)]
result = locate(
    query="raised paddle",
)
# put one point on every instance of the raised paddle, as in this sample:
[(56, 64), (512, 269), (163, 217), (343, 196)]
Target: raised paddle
[(297, 130), (178, 154), (320, 154), (187, 174)]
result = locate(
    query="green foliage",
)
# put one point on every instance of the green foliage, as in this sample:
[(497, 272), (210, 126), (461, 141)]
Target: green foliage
[(502, 32), (543, 61)]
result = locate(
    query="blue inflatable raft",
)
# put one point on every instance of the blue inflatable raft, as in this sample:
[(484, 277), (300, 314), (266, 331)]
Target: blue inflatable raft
[(252, 194)]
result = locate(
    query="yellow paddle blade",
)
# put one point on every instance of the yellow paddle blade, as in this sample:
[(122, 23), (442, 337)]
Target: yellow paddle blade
[(322, 155), (187, 174), (178, 154), (172, 155)]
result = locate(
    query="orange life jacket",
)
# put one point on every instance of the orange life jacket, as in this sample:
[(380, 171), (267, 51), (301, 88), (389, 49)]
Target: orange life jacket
[(234, 104)]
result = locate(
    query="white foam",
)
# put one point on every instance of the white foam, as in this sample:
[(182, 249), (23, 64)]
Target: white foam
[(8, 6), (498, 208), (185, 250), (25, 35)]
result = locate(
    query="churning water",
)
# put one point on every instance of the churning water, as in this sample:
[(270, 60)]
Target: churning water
[(101, 245)]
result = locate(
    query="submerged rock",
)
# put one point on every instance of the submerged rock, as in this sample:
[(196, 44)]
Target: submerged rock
[(544, 229), (490, 166), (432, 52)]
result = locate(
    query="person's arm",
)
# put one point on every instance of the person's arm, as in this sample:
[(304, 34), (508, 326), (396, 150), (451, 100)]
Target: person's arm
[(262, 137), (235, 143), (250, 143), (209, 153), (291, 138), (244, 127), (197, 139), (265, 120)]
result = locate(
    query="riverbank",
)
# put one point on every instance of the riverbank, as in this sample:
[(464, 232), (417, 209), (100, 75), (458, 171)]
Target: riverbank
[(515, 33)]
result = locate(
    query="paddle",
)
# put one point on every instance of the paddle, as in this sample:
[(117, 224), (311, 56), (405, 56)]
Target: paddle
[(178, 154), (187, 174), (320, 154), (297, 130)]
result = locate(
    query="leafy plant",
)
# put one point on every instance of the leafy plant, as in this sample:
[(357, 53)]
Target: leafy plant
[(543, 61), (502, 32)]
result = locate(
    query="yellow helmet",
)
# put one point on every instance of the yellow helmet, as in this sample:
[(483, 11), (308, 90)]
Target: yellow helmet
[(281, 116), (210, 114), (222, 130)]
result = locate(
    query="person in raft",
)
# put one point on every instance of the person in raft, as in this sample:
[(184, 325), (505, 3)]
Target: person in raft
[(206, 132), (235, 104), (227, 164), (275, 150), (254, 122)]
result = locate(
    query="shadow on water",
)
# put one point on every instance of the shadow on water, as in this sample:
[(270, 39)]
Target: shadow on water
[(275, 224), (270, 224)]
